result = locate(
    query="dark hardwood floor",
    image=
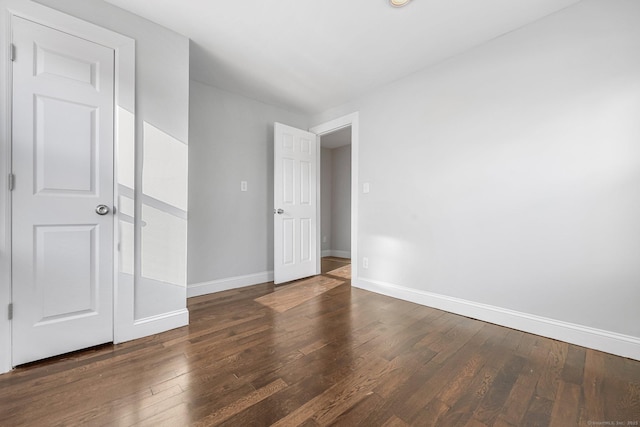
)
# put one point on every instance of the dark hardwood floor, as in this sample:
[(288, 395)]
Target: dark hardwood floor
[(336, 355)]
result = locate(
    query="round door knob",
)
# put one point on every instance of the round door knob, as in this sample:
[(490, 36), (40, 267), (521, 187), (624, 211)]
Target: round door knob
[(280, 211), (102, 209)]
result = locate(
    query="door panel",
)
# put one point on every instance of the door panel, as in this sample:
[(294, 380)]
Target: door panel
[(60, 64), (65, 271), (65, 145), (62, 264), (295, 188)]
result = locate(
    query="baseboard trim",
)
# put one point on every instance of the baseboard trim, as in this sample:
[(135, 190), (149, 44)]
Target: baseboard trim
[(598, 339), (204, 288), (336, 253), (155, 325)]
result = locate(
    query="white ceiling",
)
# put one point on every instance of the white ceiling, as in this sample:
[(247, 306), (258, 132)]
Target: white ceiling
[(311, 55)]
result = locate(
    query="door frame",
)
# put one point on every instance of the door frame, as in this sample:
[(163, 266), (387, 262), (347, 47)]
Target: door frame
[(124, 138), (352, 120)]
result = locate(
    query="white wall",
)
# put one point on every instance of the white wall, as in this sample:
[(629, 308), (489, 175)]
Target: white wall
[(231, 232), (505, 182), (160, 118), (341, 201)]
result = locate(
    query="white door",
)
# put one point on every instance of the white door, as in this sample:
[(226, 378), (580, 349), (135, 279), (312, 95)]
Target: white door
[(295, 214), (62, 248)]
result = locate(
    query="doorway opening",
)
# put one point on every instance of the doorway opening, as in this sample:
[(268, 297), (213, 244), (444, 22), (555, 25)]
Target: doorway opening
[(335, 202)]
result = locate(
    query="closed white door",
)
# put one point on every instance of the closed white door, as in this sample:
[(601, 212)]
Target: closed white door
[(295, 204), (62, 219)]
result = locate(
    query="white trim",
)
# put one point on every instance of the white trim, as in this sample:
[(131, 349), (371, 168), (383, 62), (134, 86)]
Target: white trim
[(607, 341), (156, 324), (336, 253), (124, 50), (5, 196), (341, 254), (318, 205), (204, 288), (352, 120)]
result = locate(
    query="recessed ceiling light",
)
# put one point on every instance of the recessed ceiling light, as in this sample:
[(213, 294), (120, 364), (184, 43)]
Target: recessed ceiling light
[(399, 3)]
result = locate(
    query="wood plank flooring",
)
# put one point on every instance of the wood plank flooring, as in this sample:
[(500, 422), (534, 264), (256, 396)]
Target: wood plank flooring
[(336, 266), (343, 357)]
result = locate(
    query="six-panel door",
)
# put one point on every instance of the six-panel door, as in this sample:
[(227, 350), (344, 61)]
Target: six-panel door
[(63, 164), (295, 204)]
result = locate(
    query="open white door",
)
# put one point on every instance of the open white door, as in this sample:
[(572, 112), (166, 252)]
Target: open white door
[(62, 246), (295, 203)]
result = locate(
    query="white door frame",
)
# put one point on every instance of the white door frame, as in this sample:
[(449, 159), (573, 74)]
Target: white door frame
[(323, 129), (124, 48)]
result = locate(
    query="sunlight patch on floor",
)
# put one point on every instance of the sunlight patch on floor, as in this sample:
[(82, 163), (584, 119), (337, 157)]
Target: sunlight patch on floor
[(290, 296), (343, 272)]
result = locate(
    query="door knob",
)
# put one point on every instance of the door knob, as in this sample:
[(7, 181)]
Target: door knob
[(102, 209), (279, 211)]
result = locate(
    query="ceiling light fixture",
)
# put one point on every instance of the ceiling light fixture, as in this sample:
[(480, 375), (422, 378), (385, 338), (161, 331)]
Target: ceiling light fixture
[(399, 3)]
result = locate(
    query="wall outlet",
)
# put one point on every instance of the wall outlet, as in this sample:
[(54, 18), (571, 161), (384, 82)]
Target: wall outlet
[(324, 239), (366, 187), (365, 262), (243, 185)]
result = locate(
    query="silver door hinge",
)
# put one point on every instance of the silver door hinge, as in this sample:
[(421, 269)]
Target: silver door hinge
[(12, 52), (10, 310), (12, 181)]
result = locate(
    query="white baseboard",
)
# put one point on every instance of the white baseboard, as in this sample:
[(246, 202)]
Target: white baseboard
[(197, 289), (336, 253), (155, 325), (598, 339)]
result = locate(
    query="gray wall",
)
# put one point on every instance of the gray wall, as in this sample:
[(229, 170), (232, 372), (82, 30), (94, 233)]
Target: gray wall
[(336, 201), (231, 140), (512, 175), (326, 195), (341, 201)]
